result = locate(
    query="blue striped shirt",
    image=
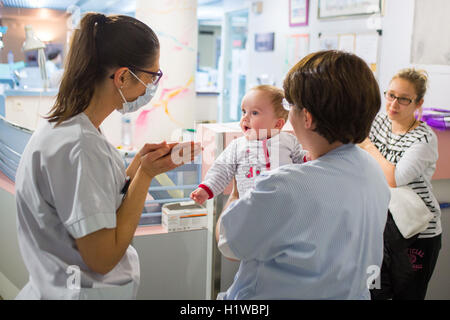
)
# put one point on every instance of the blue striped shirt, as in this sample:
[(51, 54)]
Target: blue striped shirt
[(309, 231)]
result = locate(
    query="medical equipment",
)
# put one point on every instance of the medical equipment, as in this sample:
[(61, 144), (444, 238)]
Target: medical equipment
[(182, 216), (33, 43)]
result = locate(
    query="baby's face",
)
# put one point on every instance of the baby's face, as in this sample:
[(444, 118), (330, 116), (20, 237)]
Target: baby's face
[(258, 119)]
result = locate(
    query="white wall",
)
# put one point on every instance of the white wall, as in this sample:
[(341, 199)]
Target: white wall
[(396, 51), (395, 44)]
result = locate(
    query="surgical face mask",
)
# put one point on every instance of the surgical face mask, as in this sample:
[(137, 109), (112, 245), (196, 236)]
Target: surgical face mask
[(131, 106)]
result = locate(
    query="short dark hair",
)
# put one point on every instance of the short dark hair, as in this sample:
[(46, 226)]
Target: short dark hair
[(340, 92)]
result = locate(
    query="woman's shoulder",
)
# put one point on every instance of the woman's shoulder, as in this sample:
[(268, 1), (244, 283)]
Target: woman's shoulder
[(381, 119), (76, 133), (286, 175), (423, 133)]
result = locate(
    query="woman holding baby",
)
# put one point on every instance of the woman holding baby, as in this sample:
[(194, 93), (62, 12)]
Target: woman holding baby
[(314, 230)]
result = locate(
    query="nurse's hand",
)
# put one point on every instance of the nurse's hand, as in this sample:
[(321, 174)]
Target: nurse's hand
[(134, 165), (163, 157)]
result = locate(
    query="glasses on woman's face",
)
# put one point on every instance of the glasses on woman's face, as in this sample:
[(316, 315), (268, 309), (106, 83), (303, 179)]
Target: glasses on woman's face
[(401, 100), (286, 105), (156, 76)]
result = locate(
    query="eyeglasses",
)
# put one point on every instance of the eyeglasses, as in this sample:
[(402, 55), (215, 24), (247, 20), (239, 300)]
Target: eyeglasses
[(403, 101), (286, 105), (156, 76)]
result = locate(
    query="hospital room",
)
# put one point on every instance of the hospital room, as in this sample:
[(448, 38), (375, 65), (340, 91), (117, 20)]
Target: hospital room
[(204, 150)]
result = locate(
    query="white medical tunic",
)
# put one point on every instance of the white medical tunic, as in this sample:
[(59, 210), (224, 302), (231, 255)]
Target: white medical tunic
[(309, 231), (68, 185)]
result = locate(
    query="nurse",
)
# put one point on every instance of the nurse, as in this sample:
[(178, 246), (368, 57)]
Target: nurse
[(78, 208), (315, 230)]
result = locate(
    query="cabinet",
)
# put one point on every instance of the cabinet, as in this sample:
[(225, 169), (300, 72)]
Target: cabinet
[(175, 265)]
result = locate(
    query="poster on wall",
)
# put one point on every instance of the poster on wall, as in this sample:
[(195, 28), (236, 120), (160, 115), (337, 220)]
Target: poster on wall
[(328, 42), (297, 47), (344, 8), (298, 12), (264, 41), (346, 42), (364, 45)]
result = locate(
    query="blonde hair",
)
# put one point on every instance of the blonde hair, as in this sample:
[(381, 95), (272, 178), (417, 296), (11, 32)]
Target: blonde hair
[(276, 96), (418, 78)]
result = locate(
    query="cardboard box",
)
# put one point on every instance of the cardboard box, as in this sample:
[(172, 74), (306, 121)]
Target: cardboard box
[(183, 216)]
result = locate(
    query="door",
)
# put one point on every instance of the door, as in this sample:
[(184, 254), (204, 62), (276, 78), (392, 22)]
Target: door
[(234, 66)]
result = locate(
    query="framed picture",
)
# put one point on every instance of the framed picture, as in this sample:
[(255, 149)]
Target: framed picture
[(264, 41), (298, 12), (345, 8)]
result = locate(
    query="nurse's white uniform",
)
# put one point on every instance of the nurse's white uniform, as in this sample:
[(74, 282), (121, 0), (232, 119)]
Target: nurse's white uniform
[(68, 185)]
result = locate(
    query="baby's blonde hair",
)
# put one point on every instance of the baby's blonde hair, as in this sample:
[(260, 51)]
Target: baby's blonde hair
[(276, 96), (418, 78)]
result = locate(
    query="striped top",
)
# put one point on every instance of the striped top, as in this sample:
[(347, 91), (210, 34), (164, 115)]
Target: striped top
[(414, 154)]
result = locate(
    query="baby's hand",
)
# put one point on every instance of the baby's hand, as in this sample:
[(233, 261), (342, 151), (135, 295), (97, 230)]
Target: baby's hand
[(307, 156), (199, 195)]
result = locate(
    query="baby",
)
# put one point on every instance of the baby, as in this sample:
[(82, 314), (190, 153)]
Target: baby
[(262, 148)]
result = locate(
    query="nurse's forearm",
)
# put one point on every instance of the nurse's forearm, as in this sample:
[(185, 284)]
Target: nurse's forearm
[(133, 166), (102, 250), (130, 211)]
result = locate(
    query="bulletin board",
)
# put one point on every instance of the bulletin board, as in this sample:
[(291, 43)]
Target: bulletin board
[(297, 47), (365, 45)]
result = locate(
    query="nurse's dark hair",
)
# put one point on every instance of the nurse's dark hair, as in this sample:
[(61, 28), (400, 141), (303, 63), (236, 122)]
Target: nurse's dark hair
[(100, 44), (339, 90)]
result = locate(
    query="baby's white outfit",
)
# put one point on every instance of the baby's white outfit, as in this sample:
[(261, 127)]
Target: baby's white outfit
[(246, 159)]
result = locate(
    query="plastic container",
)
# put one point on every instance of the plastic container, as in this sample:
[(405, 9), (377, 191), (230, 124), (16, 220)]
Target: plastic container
[(10, 58), (183, 216), (126, 131)]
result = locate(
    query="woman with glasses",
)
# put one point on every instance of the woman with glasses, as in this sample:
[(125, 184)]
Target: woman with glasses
[(314, 230), (78, 207), (407, 150)]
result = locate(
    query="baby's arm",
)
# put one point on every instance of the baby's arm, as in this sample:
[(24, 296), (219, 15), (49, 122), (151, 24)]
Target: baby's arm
[(299, 155), (219, 175)]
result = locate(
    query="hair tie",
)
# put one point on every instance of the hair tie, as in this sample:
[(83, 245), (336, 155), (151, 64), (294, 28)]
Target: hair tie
[(101, 19)]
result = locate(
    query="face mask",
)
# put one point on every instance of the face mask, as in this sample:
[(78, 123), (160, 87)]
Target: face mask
[(131, 106)]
